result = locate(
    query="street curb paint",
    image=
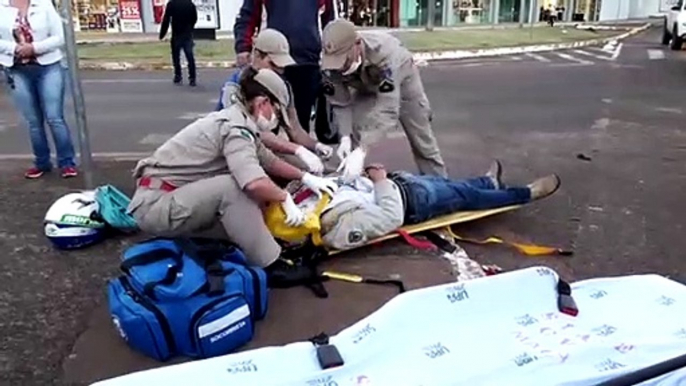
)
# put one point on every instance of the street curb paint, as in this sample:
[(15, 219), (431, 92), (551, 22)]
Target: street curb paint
[(418, 56)]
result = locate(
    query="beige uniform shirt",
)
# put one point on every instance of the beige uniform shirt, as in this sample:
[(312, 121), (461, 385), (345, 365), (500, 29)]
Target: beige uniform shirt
[(352, 224), (366, 104), (223, 142)]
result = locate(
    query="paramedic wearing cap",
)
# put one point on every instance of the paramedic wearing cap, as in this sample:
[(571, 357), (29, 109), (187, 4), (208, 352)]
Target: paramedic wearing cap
[(290, 142), (372, 84), (214, 172)]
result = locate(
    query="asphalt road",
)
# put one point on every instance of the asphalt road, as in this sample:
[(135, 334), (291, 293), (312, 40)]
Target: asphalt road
[(131, 112), (611, 126)]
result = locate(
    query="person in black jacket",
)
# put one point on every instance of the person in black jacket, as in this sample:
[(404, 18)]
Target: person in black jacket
[(183, 15), (299, 21)]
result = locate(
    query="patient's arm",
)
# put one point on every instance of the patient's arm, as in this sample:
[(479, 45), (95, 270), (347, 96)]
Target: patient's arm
[(357, 224)]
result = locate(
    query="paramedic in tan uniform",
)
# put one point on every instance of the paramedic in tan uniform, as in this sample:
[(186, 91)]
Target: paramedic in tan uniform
[(373, 84), (290, 142), (214, 172)]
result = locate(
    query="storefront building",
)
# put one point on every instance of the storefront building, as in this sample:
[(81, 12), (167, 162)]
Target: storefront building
[(146, 15), (138, 16)]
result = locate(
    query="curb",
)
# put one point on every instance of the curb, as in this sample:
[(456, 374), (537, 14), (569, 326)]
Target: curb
[(418, 56)]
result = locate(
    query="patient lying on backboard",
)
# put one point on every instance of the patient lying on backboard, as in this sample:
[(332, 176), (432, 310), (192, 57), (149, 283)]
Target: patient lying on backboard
[(380, 202)]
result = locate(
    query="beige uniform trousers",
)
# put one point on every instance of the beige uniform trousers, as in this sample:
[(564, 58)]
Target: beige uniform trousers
[(415, 120), (214, 207)]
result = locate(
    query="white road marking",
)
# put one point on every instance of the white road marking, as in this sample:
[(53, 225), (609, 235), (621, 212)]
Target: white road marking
[(155, 139), (672, 110), (515, 58), (599, 49), (192, 115), (471, 65), (656, 54), (614, 65), (121, 156), (618, 50), (126, 81), (573, 59), (607, 100), (538, 57), (582, 52), (601, 124)]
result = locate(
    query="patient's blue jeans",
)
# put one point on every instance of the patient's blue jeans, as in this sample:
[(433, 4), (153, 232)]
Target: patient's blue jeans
[(427, 197)]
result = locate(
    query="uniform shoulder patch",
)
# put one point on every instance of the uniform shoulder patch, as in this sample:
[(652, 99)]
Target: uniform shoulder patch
[(245, 133), (355, 237)]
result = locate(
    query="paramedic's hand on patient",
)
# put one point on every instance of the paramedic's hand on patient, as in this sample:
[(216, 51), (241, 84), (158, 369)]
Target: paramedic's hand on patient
[(376, 172), (314, 164), (319, 184), (294, 216), (344, 148), (324, 151), (353, 165)]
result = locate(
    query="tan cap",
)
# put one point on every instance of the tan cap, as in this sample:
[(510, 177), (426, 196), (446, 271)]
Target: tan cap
[(275, 85), (338, 38), (275, 44)]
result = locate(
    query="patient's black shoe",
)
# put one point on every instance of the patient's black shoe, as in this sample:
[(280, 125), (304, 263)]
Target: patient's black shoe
[(283, 274), (495, 173)]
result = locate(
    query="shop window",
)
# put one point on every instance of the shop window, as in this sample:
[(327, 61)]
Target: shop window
[(415, 13), (471, 12), (510, 10), (368, 13)]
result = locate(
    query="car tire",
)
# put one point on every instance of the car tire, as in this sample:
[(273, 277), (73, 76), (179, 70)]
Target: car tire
[(677, 41), (666, 37)]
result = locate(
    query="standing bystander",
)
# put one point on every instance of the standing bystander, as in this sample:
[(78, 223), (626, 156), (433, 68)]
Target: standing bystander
[(31, 37), (182, 15), (300, 21)]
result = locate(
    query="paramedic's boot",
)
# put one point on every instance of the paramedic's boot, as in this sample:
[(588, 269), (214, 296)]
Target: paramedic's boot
[(495, 173), (284, 274), (544, 187)]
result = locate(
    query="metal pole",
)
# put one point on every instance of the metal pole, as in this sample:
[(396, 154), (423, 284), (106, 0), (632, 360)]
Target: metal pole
[(521, 13), (431, 15), (77, 93), (532, 16)]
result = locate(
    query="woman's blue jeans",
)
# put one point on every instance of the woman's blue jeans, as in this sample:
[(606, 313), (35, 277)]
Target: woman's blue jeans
[(38, 92)]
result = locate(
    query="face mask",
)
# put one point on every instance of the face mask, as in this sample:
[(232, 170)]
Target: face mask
[(354, 66), (267, 124)]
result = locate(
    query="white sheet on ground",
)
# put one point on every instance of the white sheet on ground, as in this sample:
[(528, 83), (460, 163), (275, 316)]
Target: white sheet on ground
[(498, 330)]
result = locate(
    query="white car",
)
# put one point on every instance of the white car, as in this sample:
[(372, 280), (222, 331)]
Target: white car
[(674, 29)]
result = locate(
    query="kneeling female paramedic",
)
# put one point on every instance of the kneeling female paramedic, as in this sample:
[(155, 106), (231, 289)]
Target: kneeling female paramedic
[(212, 175), (375, 206)]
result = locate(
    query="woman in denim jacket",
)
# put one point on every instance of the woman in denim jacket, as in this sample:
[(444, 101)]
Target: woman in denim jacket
[(31, 36)]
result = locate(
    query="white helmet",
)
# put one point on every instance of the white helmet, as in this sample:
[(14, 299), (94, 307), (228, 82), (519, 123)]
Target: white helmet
[(72, 221)]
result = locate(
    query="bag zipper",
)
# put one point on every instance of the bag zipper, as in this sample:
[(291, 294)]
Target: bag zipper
[(164, 323), (147, 326)]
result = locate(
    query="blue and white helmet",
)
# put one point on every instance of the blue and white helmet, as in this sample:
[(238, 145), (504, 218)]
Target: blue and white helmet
[(72, 221)]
